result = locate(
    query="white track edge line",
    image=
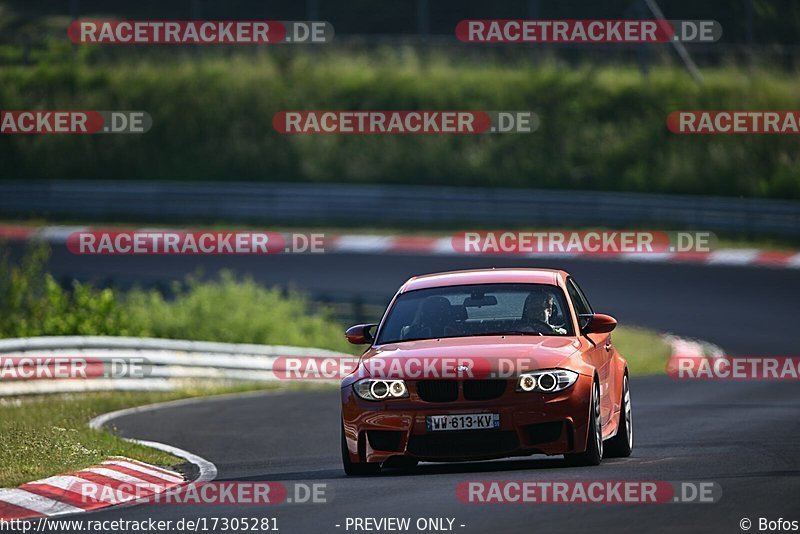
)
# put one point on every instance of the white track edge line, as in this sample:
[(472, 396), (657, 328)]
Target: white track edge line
[(207, 470)]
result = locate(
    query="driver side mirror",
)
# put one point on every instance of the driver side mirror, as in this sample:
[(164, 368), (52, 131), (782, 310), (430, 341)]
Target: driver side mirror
[(360, 334), (597, 323)]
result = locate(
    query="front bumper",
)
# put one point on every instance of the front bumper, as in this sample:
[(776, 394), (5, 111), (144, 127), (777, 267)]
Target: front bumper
[(530, 423)]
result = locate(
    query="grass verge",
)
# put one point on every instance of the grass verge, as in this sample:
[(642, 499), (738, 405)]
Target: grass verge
[(47, 435), (645, 350)]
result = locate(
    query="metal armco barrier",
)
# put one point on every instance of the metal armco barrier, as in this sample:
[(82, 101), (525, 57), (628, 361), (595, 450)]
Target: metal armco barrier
[(169, 362), (431, 207)]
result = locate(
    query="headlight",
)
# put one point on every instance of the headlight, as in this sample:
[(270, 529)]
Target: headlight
[(375, 390), (549, 381)]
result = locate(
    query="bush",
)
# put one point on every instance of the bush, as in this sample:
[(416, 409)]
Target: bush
[(601, 128), (228, 310), (235, 311), (33, 304)]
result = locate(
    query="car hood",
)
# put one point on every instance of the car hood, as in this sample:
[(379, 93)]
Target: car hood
[(538, 352)]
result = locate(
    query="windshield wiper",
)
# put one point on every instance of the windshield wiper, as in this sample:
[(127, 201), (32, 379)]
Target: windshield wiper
[(511, 333), (500, 333)]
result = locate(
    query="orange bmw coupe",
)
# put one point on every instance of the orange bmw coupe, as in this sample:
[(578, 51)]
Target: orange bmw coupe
[(483, 364)]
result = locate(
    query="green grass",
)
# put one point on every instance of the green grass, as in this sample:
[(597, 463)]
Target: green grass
[(602, 127), (42, 436), (45, 435), (645, 350)]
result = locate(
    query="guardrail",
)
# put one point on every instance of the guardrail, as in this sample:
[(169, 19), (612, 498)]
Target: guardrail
[(170, 362), (431, 207)]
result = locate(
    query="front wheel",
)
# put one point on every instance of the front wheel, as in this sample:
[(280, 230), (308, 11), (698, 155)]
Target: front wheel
[(356, 468), (594, 440), (621, 445)]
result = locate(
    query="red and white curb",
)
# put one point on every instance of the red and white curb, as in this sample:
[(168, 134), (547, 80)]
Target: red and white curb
[(443, 246), (60, 495), (682, 349), (65, 494)]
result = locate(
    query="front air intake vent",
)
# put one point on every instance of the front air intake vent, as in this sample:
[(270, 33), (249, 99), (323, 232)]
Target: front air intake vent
[(438, 390)]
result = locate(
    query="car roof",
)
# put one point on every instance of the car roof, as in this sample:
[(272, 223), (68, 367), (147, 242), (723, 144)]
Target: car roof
[(485, 276)]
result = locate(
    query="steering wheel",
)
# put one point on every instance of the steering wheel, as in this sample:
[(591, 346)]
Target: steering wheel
[(546, 328)]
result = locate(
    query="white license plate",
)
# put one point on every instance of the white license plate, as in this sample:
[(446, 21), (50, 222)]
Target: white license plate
[(467, 421)]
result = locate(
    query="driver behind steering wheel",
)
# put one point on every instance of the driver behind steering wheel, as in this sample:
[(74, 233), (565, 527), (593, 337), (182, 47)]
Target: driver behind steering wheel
[(540, 306)]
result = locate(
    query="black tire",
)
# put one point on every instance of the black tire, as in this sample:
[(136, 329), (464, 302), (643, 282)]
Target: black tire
[(621, 445), (593, 454), (356, 468)]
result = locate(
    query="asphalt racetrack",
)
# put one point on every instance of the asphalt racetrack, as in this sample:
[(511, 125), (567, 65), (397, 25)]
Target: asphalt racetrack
[(743, 435)]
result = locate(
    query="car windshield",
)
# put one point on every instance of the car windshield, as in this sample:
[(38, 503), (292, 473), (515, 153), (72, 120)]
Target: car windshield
[(477, 310)]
